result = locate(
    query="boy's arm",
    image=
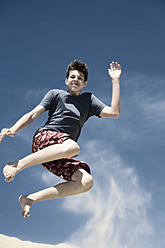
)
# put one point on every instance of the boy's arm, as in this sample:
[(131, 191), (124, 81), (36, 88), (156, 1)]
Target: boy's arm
[(114, 110), (24, 121)]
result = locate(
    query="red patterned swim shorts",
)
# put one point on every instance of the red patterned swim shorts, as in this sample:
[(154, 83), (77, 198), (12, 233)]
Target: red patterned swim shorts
[(63, 168)]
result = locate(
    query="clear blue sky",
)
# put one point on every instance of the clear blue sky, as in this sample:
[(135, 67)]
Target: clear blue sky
[(39, 38)]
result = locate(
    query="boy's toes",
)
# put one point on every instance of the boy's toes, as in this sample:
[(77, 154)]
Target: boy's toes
[(26, 214), (6, 174), (9, 179)]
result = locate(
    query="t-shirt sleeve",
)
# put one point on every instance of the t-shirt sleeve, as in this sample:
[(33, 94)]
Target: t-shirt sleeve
[(48, 99), (96, 106)]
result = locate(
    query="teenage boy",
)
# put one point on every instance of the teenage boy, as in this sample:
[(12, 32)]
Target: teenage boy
[(55, 144)]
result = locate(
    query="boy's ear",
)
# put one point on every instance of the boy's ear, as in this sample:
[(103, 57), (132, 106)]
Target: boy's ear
[(66, 81), (85, 83)]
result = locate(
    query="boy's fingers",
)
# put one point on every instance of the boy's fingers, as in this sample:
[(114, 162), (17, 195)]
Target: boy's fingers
[(118, 66), (3, 133), (1, 137), (111, 66), (115, 65)]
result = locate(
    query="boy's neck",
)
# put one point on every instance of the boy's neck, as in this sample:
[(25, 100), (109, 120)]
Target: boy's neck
[(74, 93)]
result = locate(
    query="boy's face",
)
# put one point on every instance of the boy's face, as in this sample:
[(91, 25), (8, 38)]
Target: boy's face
[(75, 82)]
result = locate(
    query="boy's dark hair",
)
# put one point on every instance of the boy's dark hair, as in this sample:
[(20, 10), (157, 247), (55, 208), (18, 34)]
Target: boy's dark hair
[(79, 66)]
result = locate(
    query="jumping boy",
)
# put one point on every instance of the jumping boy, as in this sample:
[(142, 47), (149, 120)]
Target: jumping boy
[(55, 144)]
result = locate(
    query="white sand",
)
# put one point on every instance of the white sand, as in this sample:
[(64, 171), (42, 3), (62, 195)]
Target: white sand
[(8, 242)]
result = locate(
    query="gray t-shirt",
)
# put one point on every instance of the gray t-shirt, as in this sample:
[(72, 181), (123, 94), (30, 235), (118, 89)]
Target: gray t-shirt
[(68, 113)]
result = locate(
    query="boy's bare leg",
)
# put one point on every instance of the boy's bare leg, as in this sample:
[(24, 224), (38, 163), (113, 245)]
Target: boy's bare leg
[(81, 182), (54, 152)]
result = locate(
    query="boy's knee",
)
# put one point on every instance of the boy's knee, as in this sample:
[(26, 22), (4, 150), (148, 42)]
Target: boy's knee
[(71, 148), (88, 183), (83, 180), (76, 149)]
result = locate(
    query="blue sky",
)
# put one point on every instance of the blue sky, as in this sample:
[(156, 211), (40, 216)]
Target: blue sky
[(38, 40)]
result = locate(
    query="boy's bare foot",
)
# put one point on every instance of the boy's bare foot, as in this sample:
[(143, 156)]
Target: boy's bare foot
[(10, 171), (26, 205)]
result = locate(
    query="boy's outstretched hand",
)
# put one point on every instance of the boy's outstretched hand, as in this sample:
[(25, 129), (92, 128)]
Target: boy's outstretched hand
[(6, 131), (115, 70)]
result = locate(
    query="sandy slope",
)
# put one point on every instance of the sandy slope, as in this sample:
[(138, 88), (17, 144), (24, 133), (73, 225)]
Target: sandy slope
[(8, 242)]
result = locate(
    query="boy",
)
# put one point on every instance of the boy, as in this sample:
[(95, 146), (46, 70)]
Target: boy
[(55, 144)]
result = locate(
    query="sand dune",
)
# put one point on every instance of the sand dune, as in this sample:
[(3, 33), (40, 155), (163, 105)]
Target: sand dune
[(8, 242)]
